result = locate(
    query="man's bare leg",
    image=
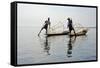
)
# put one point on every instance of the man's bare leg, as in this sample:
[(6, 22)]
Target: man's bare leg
[(46, 31), (40, 31), (74, 32)]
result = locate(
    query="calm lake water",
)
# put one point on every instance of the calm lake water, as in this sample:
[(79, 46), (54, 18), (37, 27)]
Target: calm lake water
[(33, 49)]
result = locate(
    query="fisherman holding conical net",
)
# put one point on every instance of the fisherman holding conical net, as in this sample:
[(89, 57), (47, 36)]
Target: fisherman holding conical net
[(70, 26)]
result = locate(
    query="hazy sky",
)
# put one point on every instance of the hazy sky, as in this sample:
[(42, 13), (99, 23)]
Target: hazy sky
[(35, 15)]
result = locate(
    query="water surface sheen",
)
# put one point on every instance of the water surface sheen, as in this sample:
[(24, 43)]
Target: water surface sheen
[(33, 49)]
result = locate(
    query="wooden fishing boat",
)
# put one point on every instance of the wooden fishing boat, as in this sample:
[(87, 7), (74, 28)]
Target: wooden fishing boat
[(79, 33), (56, 34)]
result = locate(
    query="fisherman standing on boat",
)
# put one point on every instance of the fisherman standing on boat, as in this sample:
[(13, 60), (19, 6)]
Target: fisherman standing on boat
[(47, 22), (70, 26)]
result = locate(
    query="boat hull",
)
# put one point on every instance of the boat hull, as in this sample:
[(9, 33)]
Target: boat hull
[(83, 32)]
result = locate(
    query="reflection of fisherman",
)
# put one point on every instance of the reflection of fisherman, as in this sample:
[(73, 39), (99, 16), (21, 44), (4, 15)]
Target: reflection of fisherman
[(47, 22), (46, 46), (70, 26), (69, 52), (70, 45)]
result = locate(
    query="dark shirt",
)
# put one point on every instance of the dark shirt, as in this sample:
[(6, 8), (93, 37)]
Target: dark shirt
[(70, 24), (46, 24)]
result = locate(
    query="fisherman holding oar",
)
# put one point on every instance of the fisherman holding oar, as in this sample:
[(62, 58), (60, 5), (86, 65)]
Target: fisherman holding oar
[(47, 22)]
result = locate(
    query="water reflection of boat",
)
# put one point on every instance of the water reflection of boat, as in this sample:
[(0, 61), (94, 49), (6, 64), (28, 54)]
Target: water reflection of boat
[(70, 44)]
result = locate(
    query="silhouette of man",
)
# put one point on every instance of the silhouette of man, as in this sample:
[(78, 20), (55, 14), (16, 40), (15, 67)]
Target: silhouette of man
[(70, 26), (47, 22)]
